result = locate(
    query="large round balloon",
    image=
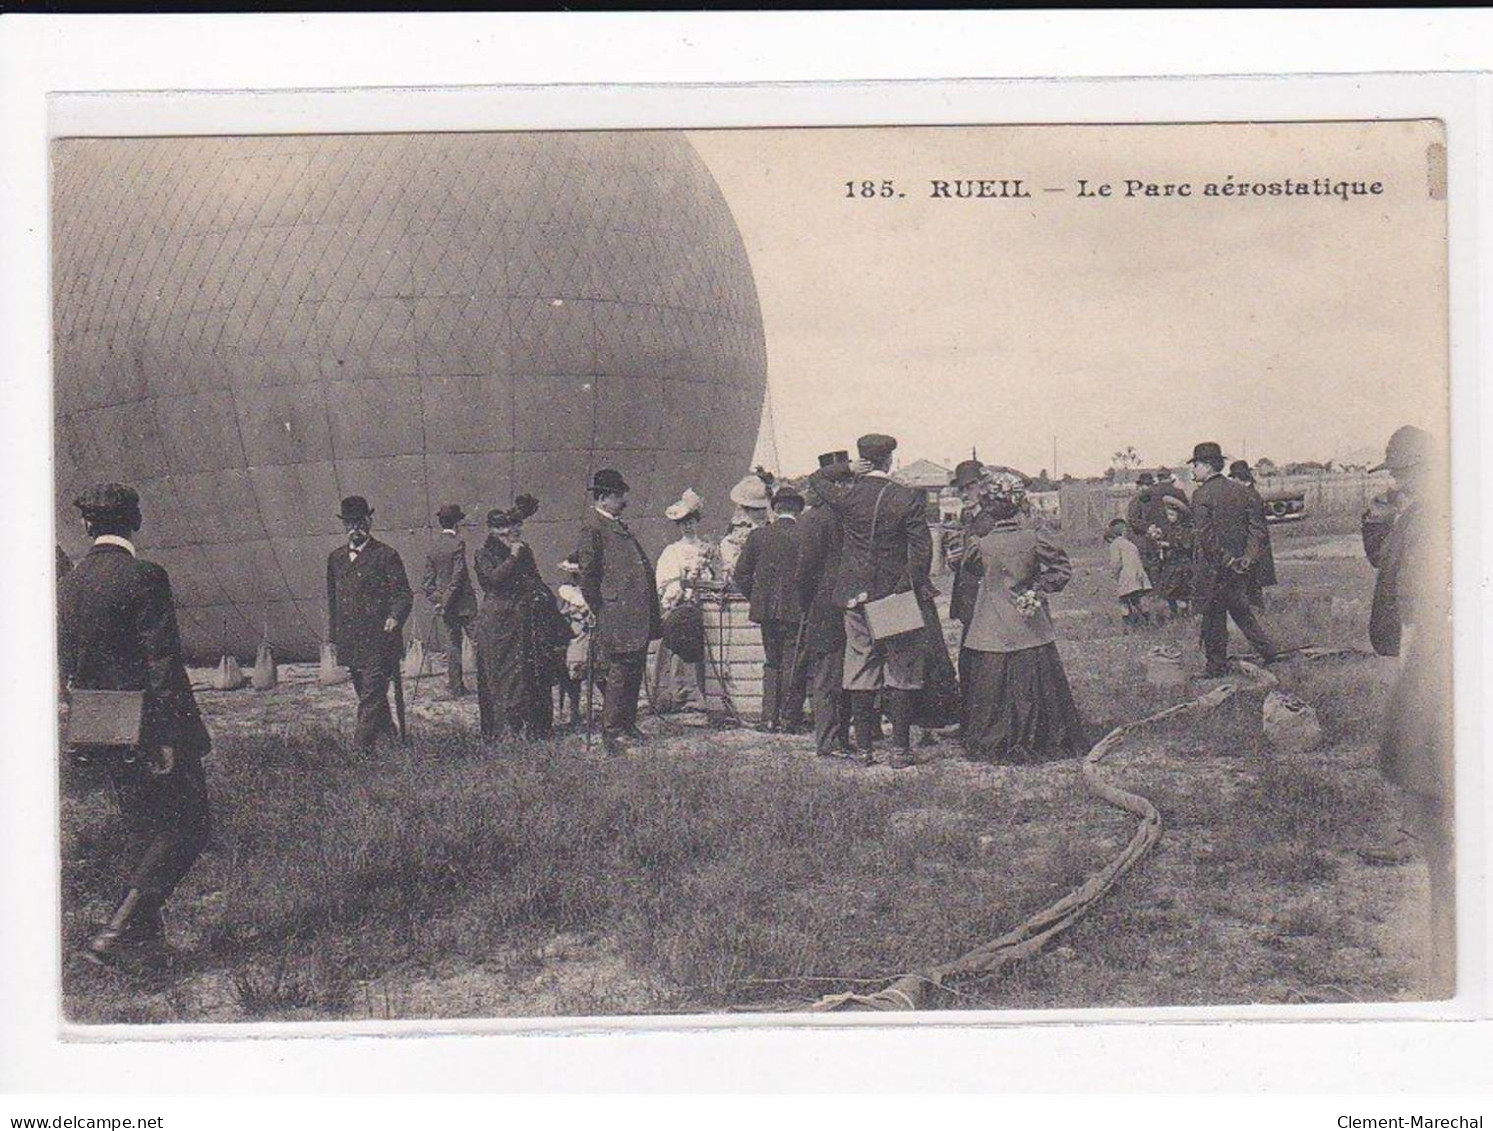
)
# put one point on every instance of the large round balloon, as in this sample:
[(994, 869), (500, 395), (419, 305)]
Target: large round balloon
[(248, 329)]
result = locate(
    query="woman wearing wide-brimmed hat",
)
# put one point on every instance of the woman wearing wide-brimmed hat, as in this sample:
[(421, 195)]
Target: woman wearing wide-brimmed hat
[(752, 496), (685, 563), (1018, 705), (510, 683)]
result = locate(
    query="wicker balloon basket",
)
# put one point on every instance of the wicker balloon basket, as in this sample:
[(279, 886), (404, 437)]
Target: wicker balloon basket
[(733, 658)]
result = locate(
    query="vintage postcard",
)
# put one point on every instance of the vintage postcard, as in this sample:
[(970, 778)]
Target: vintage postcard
[(567, 574)]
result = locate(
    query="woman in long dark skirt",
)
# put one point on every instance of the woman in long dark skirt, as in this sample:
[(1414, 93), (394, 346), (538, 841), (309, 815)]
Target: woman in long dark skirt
[(1019, 707), (506, 661)]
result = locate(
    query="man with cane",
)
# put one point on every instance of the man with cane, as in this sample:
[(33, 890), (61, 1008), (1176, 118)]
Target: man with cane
[(617, 580), (368, 600)]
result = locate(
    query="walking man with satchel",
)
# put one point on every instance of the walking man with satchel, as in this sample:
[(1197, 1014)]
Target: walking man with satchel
[(887, 553), (448, 587), (131, 706), (368, 600)]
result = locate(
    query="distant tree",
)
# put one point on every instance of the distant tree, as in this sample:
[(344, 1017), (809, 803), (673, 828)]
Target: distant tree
[(1265, 466), (1127, 459)]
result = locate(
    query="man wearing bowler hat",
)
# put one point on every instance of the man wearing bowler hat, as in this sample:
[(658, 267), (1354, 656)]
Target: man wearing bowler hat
[(448, 587), (1231, 538), (887, 549), (368, 599), (116, 631), (617, 580)]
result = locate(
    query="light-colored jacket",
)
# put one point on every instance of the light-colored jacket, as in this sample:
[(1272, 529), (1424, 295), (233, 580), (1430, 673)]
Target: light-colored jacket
[(1015, 559), (1129, 570), (689, 559)]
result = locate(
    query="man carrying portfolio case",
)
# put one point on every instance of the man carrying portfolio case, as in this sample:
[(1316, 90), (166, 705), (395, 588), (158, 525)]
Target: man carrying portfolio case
[(887, 552), (132, 708)]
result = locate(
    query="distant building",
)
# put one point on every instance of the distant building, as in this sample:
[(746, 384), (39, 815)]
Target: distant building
[(931, 478)]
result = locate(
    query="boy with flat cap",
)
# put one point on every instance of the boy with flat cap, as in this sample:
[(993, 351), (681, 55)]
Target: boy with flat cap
[(887, 549), (116, 631), (368, 600), (1231, 538), (448, 587), (617, 580)]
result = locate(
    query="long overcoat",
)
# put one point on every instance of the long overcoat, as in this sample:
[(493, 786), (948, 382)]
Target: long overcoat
[(819, 548), (448, 583), (362, 595), (617, 580), (887, 545), (116, 631), (1227, 525), (766, 572)]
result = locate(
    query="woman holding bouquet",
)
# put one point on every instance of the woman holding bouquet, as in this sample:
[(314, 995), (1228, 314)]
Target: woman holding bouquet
[(1019, 707)]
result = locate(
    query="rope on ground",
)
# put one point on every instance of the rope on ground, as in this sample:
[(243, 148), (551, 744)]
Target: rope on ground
[(910, 991)]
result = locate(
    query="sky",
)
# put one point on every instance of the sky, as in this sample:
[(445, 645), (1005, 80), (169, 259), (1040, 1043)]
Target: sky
[(1289, 327)]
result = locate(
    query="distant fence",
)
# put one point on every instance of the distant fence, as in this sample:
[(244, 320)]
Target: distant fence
[(1085, 508)]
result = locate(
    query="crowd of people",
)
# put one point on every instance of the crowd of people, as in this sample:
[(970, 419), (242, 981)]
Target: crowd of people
[(835, 571)]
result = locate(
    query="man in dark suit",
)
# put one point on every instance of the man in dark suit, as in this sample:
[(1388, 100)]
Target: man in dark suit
[(368, 599), (448, 586), (1144, 511), (964, 554), (819, 547), (766, 573), (974, 523), (617, 581), (116, 628), (1231, 537), (887, 549), (1262, 576)]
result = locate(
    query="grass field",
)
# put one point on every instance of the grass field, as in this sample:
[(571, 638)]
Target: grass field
[(721, 870)]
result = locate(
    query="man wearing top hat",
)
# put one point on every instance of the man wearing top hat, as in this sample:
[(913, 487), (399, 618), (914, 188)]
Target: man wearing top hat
[(116, 631), (887, 549), (766, 575), (368, 600), (617, 580), (816, 576), (1231, 537), (448, 587)]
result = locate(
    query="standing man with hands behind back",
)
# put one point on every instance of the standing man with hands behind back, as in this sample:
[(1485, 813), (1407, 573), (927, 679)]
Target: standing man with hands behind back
[(368, 599), (448, 586)]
